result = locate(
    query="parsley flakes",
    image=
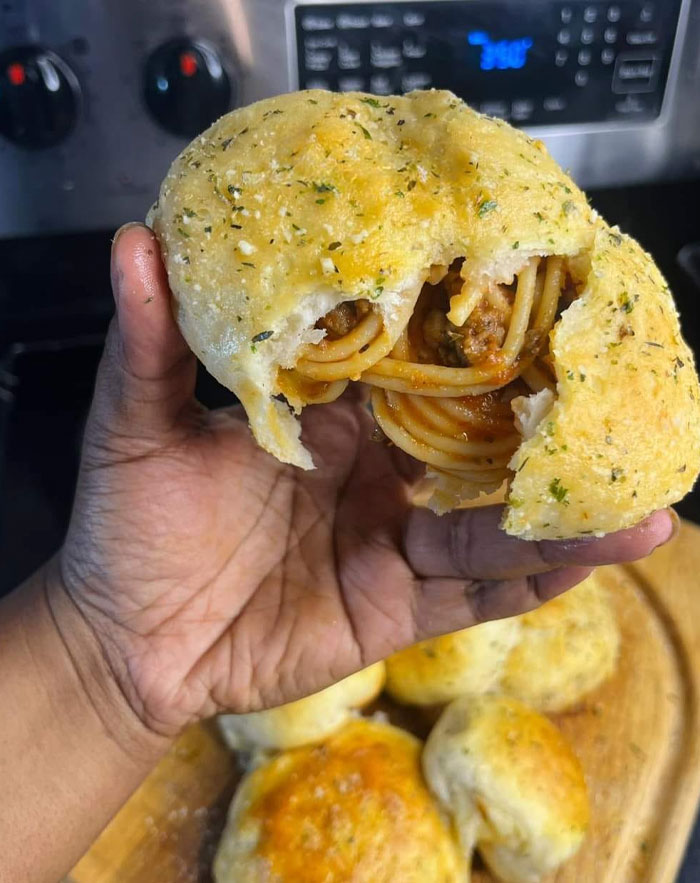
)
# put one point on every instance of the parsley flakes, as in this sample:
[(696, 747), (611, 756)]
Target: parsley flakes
[(558, 491), (487, 206), (626, 304)]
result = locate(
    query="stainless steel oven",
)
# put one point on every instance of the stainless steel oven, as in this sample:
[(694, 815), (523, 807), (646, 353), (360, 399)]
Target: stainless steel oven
[(96, 97)]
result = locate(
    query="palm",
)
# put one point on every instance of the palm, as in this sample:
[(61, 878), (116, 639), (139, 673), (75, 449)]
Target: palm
[(247, 580), (216, 577)]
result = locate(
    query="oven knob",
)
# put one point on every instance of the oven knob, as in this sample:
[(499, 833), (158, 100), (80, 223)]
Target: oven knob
[(39, 97), (186, 86)]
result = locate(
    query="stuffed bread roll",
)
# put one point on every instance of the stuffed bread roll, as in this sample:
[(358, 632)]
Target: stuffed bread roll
[(354, 808), (444, 259)]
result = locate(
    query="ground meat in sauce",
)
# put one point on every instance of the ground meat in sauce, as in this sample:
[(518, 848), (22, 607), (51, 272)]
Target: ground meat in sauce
[(342, 319), (482, 334)]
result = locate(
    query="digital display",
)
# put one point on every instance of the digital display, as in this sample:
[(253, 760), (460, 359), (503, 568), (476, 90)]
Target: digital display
[(495, 49), (500, 55), (538, 62)]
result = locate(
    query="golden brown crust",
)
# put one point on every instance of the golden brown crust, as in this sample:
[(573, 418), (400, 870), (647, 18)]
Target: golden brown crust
[(355, 808), (255, 216), (623, 437)]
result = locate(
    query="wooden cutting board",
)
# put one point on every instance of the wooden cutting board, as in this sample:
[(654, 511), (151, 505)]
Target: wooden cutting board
[(638, 738)]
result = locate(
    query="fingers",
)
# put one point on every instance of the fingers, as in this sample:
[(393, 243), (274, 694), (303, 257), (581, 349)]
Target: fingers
[(148, 373), (150, 339), (447, 605), (470, 544)]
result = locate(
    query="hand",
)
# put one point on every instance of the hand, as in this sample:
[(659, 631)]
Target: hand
[(214, 577)]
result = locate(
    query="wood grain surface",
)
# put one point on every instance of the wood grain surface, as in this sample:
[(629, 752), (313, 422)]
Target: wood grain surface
[(638, 738)]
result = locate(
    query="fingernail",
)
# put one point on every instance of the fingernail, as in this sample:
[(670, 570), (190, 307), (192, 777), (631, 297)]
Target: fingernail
[(115, 271), (675, 526), (122, 230)]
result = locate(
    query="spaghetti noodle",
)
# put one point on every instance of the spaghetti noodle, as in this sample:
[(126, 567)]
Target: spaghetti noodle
[(443, 392), (460, 436), (348, 357)]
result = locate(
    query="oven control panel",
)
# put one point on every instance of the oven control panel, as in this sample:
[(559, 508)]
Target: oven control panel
[(535, 63), (98, 97)]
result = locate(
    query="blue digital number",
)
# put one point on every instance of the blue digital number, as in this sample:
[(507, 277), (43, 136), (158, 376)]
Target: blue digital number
[(500, 55)]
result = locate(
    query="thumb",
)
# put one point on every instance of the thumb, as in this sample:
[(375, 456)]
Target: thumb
[(145, 384)]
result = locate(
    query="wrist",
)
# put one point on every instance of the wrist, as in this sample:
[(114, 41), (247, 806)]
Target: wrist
[(73, 750)]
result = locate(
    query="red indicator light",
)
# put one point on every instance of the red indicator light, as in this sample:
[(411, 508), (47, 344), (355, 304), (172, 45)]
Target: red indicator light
[(188, 64), (16, 74)]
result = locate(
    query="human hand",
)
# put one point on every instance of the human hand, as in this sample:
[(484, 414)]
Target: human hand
[(214, 577)]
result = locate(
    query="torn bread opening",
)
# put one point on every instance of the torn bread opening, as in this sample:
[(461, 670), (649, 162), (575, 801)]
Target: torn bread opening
[(442, 392)]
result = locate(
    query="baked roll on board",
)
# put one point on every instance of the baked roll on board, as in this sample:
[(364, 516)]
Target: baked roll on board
[(307, 720), (442, 257), (567, 648), (549, 658), (465, 663), (354, 808), (512, 785)]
